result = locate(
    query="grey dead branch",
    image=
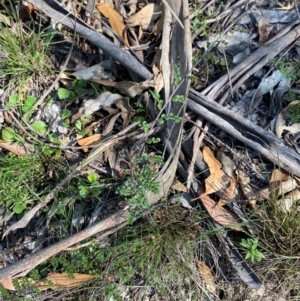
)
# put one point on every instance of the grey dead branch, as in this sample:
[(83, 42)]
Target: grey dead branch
[(184, 156)]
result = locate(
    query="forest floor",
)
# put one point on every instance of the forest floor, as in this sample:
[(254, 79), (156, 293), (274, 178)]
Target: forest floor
[(149, 150)]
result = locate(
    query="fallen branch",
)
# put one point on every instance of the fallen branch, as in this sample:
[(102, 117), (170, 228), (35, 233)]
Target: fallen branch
[(261, 141), (59, 14), (23, 266)]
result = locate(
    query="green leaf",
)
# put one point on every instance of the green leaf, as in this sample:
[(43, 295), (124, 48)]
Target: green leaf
[(65, 124), (9, 106), (19, 208), (30, 101), (83, 189), (14, 99), (92, 177), (82, 132), (80, 83), (63, 93), (78, 125), (245, 243), (95, 86), (53, 138), (65, 114), (79, 91), (48, 150), (26, 109), (178, 98), (96, 191), (71, 97), (39, 126), (8, 134)]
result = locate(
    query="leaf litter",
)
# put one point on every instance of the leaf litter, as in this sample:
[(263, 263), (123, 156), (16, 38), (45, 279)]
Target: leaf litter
[(93, 115)]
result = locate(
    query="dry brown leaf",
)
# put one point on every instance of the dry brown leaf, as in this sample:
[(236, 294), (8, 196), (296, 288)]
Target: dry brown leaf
[(89, 141), (132, 89), (217, 177), (277, 178), (177, 185), (220, 214), (26, 10), (156, 68), (145, 17), (207, 276), (115, 20), (231, 192), (8, 284), (289, 199), (285, 187), (275, 187), (248, 193), (16, 148), (263, 29), (59, 280), (126, 110)]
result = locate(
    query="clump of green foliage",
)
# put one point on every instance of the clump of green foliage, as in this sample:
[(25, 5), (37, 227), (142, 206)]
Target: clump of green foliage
[(278, 232), (24, 49), (294, 110), (139, 182), (289, 68), (251, 245), (20, 177)]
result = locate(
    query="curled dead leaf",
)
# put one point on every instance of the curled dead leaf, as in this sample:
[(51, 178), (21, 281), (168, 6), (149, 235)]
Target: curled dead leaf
[(220, 214), (247, 191), (217, 179), (132, 89), (275, 187), (115, 20), (54, 281), (231, 193), (145, 17), (89, 141), (263, 29), (289, 200), (16, 148), (207, 276)]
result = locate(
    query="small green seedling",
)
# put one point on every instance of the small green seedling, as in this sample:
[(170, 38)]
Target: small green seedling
[(79, 88), (253, 253), (89, 187)]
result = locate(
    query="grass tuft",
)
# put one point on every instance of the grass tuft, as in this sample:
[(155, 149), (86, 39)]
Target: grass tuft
[(23, 50)]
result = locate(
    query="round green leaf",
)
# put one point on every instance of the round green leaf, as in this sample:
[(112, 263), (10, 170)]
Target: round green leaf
[(92, 177), (19, 208), (65, 114), (63, 93), (30, 101), (39, 126), (14, 99), (26, 109)]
